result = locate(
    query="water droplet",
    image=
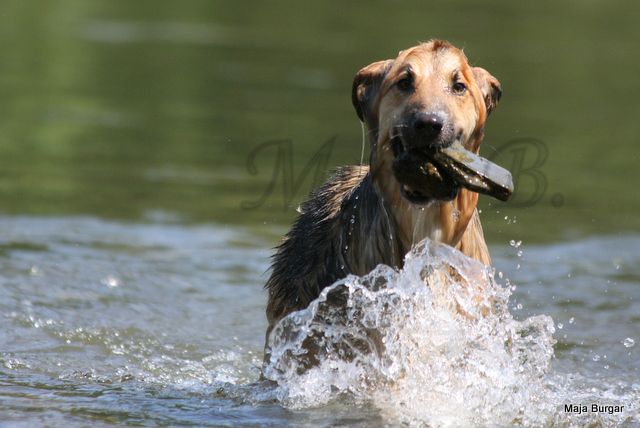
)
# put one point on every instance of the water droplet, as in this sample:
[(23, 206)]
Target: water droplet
[(519, 306), (560, 325), (111, 281), (571, 320), (500, 275), (519, 253), (628, 342), (596, 357), (35, 270)]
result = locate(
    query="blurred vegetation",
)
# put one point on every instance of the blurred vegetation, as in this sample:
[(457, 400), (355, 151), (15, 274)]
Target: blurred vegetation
[(148, 110)]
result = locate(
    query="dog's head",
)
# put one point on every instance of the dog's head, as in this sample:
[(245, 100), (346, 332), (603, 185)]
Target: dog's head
[(427, 98)]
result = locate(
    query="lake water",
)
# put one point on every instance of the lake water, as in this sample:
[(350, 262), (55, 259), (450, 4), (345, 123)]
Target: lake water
[(158, 323), (152, 154)]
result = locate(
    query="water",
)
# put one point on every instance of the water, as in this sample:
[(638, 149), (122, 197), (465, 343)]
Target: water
[(402, 342), (135, 230), (150, 323)]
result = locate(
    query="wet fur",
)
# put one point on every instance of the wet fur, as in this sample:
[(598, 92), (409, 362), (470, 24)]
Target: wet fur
[(358, 219)]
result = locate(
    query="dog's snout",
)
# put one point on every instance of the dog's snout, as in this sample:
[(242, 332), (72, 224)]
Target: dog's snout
[(428, 125)]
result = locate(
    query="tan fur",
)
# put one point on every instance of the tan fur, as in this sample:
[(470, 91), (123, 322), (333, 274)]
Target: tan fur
[(359, 218)]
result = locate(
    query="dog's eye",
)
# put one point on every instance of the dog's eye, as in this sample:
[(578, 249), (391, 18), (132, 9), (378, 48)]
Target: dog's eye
[(458, 87), (405, 84)]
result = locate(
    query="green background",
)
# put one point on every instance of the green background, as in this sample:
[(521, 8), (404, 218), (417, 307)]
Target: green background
[(148, 110)]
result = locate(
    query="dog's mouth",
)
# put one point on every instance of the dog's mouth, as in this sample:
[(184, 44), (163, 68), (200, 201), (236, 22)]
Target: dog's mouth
[(438, 173), (421, 179), (414, 196)]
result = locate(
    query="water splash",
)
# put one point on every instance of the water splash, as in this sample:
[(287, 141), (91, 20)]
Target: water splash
[(432, 343)]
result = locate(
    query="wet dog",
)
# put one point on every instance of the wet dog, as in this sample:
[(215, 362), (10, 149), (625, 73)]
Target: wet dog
[(426, 100)]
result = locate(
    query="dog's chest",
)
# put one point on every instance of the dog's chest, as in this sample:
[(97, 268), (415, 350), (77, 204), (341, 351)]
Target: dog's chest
[(416, 223)]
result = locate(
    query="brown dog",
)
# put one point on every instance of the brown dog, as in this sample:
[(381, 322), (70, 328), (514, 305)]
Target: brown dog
[(426, 98)]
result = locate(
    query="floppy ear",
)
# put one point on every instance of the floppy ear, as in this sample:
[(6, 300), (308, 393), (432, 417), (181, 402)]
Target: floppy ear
[(366, 85), (489, 86)]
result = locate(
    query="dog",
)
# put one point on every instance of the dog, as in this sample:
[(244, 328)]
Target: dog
[(427, 98)]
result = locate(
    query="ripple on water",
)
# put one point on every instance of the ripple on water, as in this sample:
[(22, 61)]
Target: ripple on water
[(163, 324)]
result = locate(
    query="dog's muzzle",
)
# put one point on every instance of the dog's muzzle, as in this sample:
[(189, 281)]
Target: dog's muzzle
[(431, 163), (423, 132)]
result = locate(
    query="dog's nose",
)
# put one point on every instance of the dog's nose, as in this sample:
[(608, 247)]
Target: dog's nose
[(428, 125)]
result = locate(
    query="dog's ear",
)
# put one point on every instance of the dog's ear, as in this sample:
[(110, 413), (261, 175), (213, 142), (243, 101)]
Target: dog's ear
[(489, 86), (365, 88)]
